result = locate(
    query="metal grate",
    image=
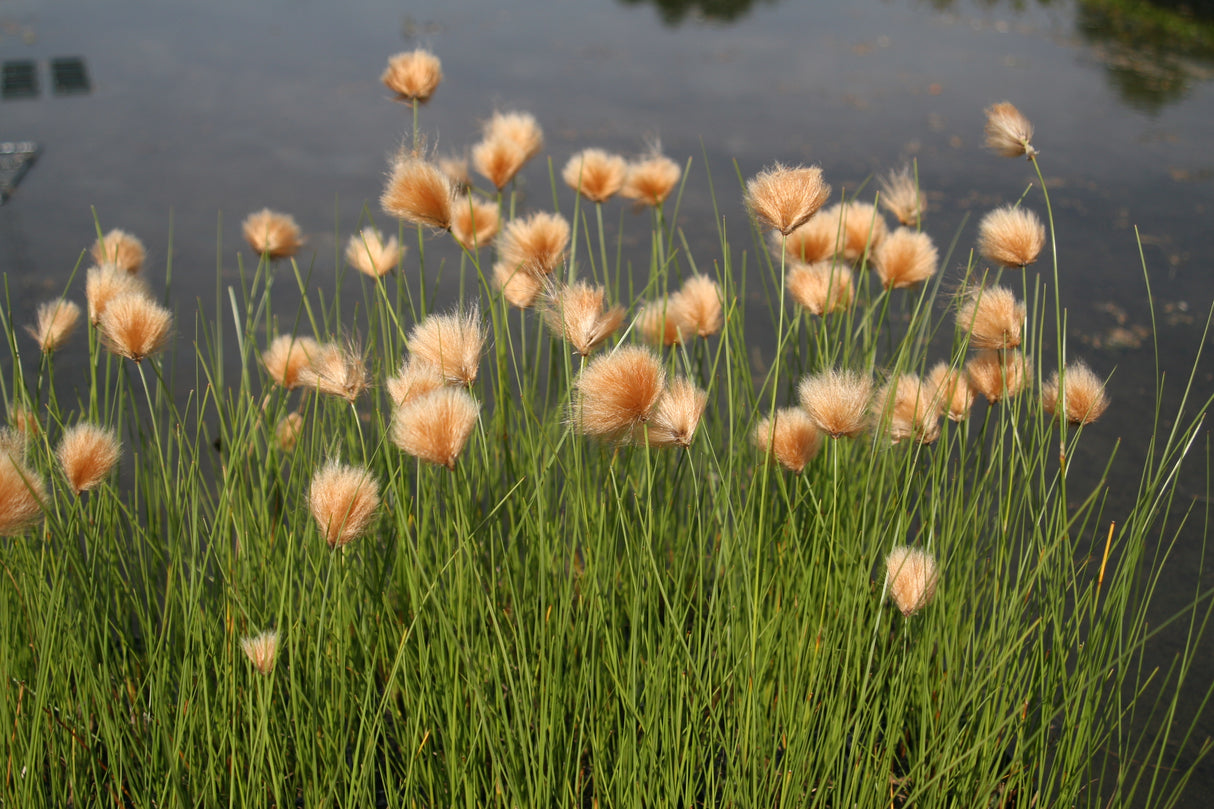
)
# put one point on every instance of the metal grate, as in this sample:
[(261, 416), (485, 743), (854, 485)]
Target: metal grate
[(69, 75), (19, 79)]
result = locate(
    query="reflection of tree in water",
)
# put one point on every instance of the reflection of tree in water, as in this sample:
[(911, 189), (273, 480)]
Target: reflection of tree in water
[(674, 12), (1154, 52)]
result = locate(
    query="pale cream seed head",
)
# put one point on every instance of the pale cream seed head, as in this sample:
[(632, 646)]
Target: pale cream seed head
[(474, 222), (998, 375), (909, 410), (678, 414), (837, 401), (910, 578), (105, 282), (1011, 236), (370, 254), (121, 249), (55, 322), (286, 356), (451, 344), (900, 195), (261, 650), (650, 179), (343, 501), (413, 380), (1008, 132), (413, 75), (22, 495), (335, 371), (1082, 392), (535, 244), (951, 392)]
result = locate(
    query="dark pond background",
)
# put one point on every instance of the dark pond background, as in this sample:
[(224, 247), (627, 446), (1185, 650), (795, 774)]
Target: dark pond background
[(195, 114)]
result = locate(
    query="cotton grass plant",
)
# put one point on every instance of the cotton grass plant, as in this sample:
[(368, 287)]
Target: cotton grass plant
[(467, 561)]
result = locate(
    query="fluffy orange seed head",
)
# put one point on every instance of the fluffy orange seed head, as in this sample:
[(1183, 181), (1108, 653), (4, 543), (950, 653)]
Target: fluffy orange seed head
[(413, 75), (87, 454), (699, 303), (286, 356), (909, 410), (905, 258), (451, 344), (1011, 236), (790, 438), (56, 320), (821, 288), (651, 179), (121, 249), (368, 253), (519, 287), (134, 326), (783, 198), (106, 282), (616, 393), (535, 244), (287, 431), (813, 241), (475, 222), (435, 426), (678, 414), (22, 495), (343, 500), (335, 371), (1008, 132), (837, 401), (951, 392), (519, 128), (413, 380), (1084, 399), (498, 160), (595, 174), (910, 578), (419, 192), (900, 195), (992, 316), (576, 312), (862, 229), (998, 374), (662, 322), (272, 234)]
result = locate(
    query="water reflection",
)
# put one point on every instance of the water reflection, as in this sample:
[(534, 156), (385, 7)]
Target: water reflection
[(674, 12)]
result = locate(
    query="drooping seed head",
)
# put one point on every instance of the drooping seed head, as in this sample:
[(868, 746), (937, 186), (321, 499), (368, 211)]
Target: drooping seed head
[(1008, 132), (675, 419), (900, 195), (272, 234), (87, 453), (343, 501), (910, 578)]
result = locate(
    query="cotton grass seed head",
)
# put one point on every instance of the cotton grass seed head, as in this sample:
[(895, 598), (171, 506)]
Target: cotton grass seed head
[(55, 322), (474, 222), (992, 316), (1008, 132), (121, 249), (272, 234), (661, 322), (22, 495), (1082, 394), (900, 195), (371, 255), (413, 75), (335, 370), (616, 393), (820, 288), (790, 438), (419, 192), (519, 128), (678, 414), (951, 392), (810, 243), (579, 313), (498, 160), (288, 430), (535, 244), (595, 174), (905, 258), (650, 179), (783, 198), (343, 501), (286, 356), (135, 327), (519, 287), (87, 453), (261, 650), (1011, 236), (998, 375), (413, 380), (435, 426), (451, 344), (837, 401), (699, 305), (908, 410), (910, 579), (105, 282), (861, 229)]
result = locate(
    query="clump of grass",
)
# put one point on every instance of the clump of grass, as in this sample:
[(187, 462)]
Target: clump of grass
[(541, 578)]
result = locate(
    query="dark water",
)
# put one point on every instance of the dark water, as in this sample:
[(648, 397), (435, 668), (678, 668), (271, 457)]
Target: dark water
[(197, 114)]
